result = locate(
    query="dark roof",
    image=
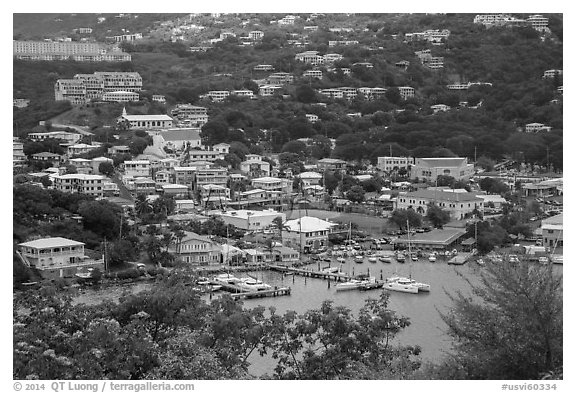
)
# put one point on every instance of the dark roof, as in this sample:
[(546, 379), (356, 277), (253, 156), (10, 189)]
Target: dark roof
[(180, 135), (443, 162), (436, 236)]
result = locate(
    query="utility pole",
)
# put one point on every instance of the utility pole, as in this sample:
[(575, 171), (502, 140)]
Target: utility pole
[(547, 158)]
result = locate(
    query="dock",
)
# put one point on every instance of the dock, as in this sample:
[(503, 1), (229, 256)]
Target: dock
[(284, 291), (312, 273)]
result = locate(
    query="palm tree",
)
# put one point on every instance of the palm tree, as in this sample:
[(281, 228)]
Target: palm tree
[(142, 205), (167, 239), (179, 234), (279, 225)]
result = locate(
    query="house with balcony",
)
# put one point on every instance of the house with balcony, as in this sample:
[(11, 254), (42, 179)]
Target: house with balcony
[(439, 108), (82, 165), (139, 168), (178, 191), (550, 74), (142, 185), (80, 183), (80, 148), (269, 90), (222, 148), (197, 250), (205, 155), (553, 232), (312, 118), (459, 205), (218, 95), (210, 176), (214, 195), (406, 92), (331, 164), (306, 233), (18, 156), (57, 257), (537, 127), (310, 178), (268, 183), (255, 166), (312, 74), (53, 158)]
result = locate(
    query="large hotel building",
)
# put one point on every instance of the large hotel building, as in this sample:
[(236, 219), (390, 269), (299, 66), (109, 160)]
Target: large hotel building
[(85, 87), (79, 51)]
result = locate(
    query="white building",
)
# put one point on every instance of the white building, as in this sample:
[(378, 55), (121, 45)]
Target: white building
[(406, 92), (459, 205), (57, 257), (272, 184), (389, 164), (251, 220), (537, 127), (255, 166), (269, 90), (551, 73), (312, 74), (312, 118), (218, 95), (306, 233), (80, 183), (141, 168), (67, 137), (310, 178), (79, 148), (121, 96), (428, 169), (146, 121)]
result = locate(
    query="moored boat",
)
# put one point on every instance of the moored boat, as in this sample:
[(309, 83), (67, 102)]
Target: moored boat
[(385, 259), (400, 285)]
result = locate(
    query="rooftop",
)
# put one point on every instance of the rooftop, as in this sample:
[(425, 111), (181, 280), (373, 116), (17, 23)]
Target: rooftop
[(181, 135), (444, 196), (250, 213), (147, 117), (51, 242), (443, 161), (267, 179), (308, 224), (436, 236)]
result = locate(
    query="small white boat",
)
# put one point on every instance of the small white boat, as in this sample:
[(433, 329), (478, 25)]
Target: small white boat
[(401, 285), (253, 285), (559, 259), (432, 258), (345, 286), (414, 257), (359, 258), (341, 260), (227, 278), (386, 259), (330, 270), (422, 287), (400, 257), (372, 259)]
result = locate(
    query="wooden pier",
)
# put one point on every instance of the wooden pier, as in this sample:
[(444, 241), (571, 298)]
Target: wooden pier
[(311, 273), (266, 293)]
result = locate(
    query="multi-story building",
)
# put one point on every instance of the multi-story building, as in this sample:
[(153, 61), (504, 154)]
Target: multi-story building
[(312, 74), (53, 158), (372, 93), (214, 194), (121, 96), (263, 67), (306, 233), (218, 95), (332, 93), (222, 148), (21, 102), (79, 148), (198, 250), (142, 186), (190, 114), (310, 178), (459, 205), (205, 155), (331, 164), (210, 176), (342, 42), (18, 156), (548, 74), (537, 127), (94, 85), (125, 81), (332, 57), (185, 175), (406, 92), (255, 166), (553, 232), (242, 93), (538, 22), (428, 169), (66, 137), (140, 168), (80, 183), (72, 90), (255, 35), (251, 220), (439, 108), (310, 57), (57, 257), (56, 50), (127, 37), (268, 183), (389, 164), (82, 165), (159, 98), (269, 90)]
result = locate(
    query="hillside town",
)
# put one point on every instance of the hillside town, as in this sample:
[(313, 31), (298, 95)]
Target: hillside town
[(356, 149)]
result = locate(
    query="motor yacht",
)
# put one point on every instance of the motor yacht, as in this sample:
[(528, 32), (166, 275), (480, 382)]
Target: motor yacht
[(422, 287), (432, 257), (253, 284), (386, 259), (401, 285), (359, 258), (227, 278)]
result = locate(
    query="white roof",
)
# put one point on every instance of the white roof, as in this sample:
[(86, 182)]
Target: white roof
[(81, 176), (492, 198), (308, 224), (250, 213), (51, 242), (175, 186), (310, 175), (147, 117), (266, 179)]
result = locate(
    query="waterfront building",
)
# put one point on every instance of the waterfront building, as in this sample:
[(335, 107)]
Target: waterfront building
[(57, 257), (435, 240), (251, 220), (197, 250), (306, 233)]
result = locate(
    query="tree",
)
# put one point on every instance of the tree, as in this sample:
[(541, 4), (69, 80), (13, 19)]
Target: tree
[(142, 205), (355, 194), (305, 94), (106, 168), (493, 186), (512, 327), (437, 216), (101, 217), (297, 147), (138, 145), (402, 216)]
